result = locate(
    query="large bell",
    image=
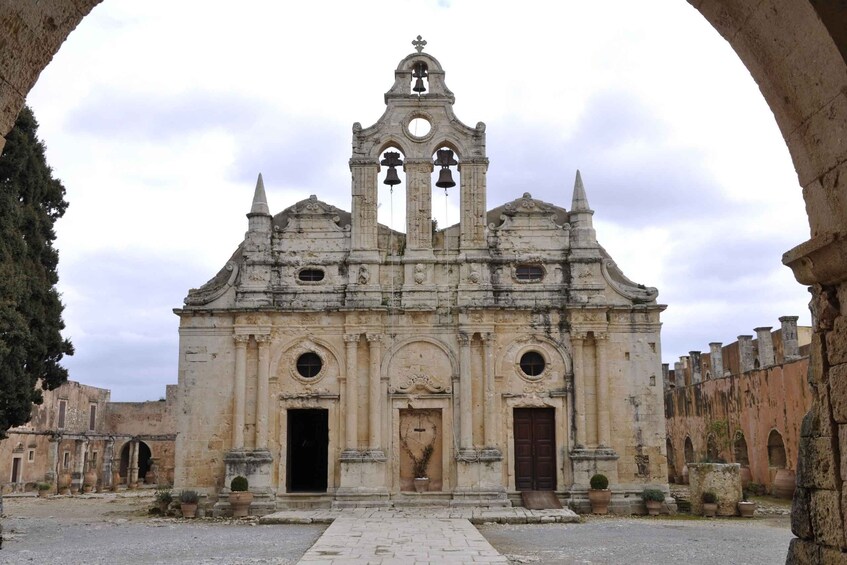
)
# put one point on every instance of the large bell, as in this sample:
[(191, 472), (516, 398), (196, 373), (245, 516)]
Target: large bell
[(419, 86), (419, 72), (445, 179), (391, 177)]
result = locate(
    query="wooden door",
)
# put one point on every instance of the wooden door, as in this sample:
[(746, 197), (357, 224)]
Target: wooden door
[(535, 449)]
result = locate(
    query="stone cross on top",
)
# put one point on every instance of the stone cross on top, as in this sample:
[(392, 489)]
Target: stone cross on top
[(419, 44)]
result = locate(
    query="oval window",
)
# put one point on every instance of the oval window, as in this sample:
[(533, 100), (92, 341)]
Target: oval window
[(309, 365), (419, 127), (532, 363), (311, 275), (529, 272)]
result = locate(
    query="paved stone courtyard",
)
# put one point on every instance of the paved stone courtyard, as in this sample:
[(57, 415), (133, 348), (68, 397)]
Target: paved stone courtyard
[(116, 528)]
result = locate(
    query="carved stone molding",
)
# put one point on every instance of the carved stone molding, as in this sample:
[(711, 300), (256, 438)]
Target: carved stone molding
[(821, 260), (412, 382)]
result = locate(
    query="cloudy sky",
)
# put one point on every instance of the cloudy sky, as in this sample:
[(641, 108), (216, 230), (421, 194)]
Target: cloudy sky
[(158, 116)]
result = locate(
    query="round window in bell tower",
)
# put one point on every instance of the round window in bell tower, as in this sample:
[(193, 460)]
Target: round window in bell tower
[(419, 127)]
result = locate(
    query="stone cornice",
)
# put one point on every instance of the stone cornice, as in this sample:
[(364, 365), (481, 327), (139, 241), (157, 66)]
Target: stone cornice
[(821, 260)]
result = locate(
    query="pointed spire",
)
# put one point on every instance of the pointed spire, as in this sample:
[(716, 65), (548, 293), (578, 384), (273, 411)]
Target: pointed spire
[(260, 201), (580, 201)]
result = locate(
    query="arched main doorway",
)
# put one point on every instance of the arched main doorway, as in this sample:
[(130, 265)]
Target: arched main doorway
[(144, 455)]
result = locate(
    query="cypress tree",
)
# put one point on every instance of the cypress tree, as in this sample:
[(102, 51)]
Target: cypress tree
[(31, 345)]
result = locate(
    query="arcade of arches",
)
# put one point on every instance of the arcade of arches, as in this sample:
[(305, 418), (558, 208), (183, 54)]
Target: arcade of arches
[(796, 52)]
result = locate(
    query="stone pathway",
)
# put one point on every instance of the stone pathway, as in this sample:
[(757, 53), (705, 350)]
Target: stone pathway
[(475, 515), (407, 541)]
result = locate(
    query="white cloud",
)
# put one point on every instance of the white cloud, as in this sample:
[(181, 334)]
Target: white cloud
[(158, 116)]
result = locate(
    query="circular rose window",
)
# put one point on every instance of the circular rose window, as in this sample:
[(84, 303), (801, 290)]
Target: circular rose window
[(309, 365), (532, 363)]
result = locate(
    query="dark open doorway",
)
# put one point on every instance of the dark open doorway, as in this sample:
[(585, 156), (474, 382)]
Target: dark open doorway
[(535, 449), (144, 455), (308, 440)]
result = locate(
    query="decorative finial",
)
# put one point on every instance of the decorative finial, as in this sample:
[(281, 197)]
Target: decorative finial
[(419, 44)]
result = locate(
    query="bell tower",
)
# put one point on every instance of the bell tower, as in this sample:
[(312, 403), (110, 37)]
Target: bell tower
[(419, 132)]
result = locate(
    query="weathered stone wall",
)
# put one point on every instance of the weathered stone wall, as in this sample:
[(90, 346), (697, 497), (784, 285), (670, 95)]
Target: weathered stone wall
[(723, 479), (754, 404)]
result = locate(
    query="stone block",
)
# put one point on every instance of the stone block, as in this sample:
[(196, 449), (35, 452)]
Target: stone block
[(825, 515), (836, 342), (838, 392), (801, 524), (842, 442), (830, 556), (816, 463), (801, 552)]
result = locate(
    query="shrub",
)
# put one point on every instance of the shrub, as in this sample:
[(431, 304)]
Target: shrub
[(189, 497), (599, 482), (43, 486), (652, 494), (238, 484), (709, 497), (164, 496)]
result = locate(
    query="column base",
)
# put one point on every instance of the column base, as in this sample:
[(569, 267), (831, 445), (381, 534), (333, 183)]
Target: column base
[(586, 461), (479, 478)]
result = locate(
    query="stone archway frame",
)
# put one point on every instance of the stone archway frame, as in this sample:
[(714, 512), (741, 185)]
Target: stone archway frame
[(796, 53), (449, 438), (424, 384), (320, 401), (564, 471)]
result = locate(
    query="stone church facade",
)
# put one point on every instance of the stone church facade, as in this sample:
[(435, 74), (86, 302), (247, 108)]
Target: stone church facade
[(333, 360)]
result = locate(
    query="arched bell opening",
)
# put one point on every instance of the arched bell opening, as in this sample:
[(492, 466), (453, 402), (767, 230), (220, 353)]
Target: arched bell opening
[(420, 78), (391, 204), (446, 183)]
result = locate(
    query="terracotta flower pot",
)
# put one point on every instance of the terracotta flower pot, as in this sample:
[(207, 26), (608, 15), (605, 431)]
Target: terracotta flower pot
[(189, 510), (240, 503), (710, 509), (64, 483), (599, 500), (653, 507), (784, 483), (421, 484)]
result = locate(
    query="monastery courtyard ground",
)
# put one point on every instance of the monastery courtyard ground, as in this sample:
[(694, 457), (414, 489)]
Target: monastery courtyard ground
[(116, 528)]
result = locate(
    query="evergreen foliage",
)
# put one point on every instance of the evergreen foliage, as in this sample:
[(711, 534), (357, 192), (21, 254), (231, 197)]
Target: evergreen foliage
[(31, 345)]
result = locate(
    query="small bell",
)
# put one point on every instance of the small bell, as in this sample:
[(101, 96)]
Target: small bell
[(419, 72), (392, 160), (391, 177), (445, 179)]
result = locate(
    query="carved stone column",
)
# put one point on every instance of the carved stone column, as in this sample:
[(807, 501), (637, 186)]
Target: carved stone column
[(472, 204), (79, 461), (363, 220), (351, 403), (374, 393), (579, 388), (603, 435), (490, 413), (239, 391), (133, 464), (716, 357), (106, 477), (465, 393), (418, 204), (263, 342)]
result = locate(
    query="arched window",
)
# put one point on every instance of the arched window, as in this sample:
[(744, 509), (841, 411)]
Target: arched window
[(689, 451), (776, 450), (740, 450)]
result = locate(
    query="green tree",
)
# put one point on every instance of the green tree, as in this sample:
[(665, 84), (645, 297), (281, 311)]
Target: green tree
[(31, 345)]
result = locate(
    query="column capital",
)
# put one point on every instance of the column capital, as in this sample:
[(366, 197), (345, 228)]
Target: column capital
[(464, 339), (364, 162), (487, 337), (241, 339), (351, 338), (578, 336), (474, 161), (262, 339), (418, 164), (373, 338)]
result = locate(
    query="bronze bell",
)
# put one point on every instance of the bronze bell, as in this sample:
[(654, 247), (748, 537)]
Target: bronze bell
[(419, 72), (445, 179), (391, 177), (419, 86)]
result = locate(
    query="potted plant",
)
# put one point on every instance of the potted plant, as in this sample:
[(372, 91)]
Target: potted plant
[(710, 503), (43, 489), (420, 463), (653, 499), (188, 503), (599, 494), (164, 497), (239, 497), (746, 508)]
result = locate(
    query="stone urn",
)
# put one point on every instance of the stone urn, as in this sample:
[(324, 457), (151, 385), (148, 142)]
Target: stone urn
[(152, 474), (64, 483), (116, 480), (422, 484), (746, 476), (784, 483), (89, 479), (746, 509), (685, 474), (189, 509)]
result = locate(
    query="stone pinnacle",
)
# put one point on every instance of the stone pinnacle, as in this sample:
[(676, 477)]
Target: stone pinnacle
[(260, 201), (580, 201)]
